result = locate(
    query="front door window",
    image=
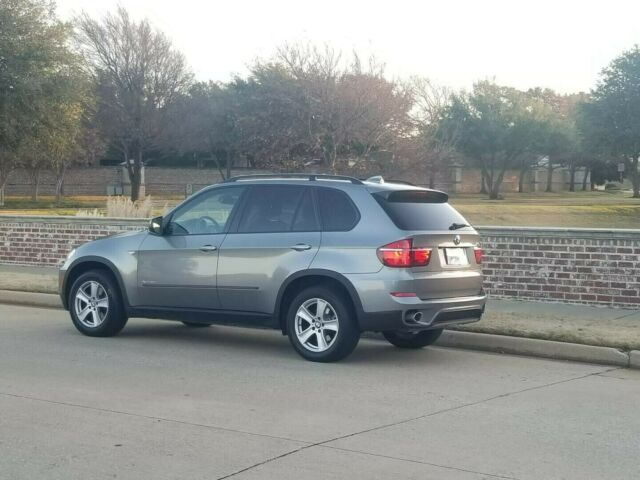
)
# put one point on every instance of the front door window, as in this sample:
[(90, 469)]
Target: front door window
[(206, 215)]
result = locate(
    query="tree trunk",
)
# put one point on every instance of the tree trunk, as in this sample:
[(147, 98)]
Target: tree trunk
[(635, 177), (330, 153), (494, 193), (59, 186), (483, 183), (229, 162), (2, 195), (523, 172), (216, 160), (135, 176), (549, 176), (572, 177), (35, 179), (496, 183), (587, 171)]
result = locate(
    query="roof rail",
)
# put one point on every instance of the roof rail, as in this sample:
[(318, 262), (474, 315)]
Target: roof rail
[(305, 176)]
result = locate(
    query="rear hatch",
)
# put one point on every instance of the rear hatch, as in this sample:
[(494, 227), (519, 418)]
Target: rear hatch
[(427, 219)]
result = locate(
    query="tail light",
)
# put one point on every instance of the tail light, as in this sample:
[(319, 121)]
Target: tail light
[(402, 254), (477, 251)]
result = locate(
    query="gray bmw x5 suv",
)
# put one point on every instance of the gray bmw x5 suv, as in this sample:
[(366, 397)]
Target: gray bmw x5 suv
[(321, 258)]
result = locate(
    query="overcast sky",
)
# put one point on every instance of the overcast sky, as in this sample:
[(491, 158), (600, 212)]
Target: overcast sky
[(562, 44)]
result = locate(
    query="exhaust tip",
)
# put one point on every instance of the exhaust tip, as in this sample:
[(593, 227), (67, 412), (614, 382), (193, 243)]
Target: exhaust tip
[(414, 317)]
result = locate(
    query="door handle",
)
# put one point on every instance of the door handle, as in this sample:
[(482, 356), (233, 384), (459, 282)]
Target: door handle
[(208, 248), (301, 247)]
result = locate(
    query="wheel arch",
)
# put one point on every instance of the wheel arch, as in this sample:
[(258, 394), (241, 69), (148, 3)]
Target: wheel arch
[(85, 264), (305, 278)]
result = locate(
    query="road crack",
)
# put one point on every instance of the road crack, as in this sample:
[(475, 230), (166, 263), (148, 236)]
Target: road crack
[(150, 417), (325, 443)]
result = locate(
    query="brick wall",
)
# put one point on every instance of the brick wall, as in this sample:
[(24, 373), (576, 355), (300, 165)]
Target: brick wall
[(598, 267), (47, 240)]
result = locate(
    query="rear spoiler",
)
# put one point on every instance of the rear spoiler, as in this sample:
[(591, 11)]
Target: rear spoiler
[(413, 196)]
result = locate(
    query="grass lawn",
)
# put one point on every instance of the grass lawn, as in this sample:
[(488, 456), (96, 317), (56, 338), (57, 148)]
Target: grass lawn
[(47, 205), (578, 209), (69, 206)]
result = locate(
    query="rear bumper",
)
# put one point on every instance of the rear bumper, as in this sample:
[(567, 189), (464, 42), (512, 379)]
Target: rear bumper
[(455, 297), (416, 314)]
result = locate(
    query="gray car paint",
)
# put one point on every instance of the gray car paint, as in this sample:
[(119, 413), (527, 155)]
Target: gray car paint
[(246, 271)]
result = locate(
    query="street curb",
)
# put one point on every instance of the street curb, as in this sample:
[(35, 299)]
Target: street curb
[(450, 338), (30, 299), (537, 348)]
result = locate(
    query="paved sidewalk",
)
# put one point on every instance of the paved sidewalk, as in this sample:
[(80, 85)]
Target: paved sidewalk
[(602, 326), (29, 279)]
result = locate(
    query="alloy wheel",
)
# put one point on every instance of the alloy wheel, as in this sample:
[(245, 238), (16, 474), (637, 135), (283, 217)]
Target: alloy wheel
[(316, 325), (91, 304)]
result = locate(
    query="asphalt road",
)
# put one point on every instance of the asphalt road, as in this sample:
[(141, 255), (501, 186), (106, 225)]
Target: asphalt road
[(162, 401)]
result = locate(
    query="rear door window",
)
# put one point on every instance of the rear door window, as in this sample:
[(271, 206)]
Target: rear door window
[(271, 208), (419, 210), (337, 211)]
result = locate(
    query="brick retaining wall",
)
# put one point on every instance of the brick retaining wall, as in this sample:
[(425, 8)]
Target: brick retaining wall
[(589, 266), (48, 240)]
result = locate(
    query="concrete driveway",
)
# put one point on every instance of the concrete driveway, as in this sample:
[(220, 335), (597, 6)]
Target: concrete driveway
[(163, 401)]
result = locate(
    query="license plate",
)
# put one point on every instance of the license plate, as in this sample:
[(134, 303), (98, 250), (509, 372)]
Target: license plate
[(456, 256)]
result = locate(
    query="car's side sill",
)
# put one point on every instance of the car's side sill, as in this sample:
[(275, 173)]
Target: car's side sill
[(222, 317)]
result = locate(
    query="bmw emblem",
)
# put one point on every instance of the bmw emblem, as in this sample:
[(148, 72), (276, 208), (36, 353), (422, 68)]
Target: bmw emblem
[(456, 239)]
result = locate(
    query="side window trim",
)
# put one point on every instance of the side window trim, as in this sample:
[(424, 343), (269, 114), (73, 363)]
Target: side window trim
[(316, 214), (319, 211), (234, 222), (194, 198)]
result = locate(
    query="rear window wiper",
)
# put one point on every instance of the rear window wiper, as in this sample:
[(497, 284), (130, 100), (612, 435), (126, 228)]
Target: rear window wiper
[(456, 226)]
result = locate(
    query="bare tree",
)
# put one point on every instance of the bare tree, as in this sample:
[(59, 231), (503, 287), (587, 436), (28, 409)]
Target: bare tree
[(342, 108), (436, 147), (140, 75)]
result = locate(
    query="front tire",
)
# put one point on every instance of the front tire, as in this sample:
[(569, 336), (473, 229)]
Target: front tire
[(321, 325), (96, 305), (413, 339)]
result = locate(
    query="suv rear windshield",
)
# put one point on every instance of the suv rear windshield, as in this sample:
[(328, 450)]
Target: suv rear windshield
[(419, 209)]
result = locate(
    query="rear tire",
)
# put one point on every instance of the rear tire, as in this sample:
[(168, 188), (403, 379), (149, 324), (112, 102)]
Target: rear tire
[(321, 325), (196, 325), (95, 305), (413, 339)]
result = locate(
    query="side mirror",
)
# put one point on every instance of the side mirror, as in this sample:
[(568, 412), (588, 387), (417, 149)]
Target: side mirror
[(155, 226)]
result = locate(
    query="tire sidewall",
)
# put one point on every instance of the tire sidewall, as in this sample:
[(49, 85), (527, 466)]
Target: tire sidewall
[(115, 319), (348, 333)]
